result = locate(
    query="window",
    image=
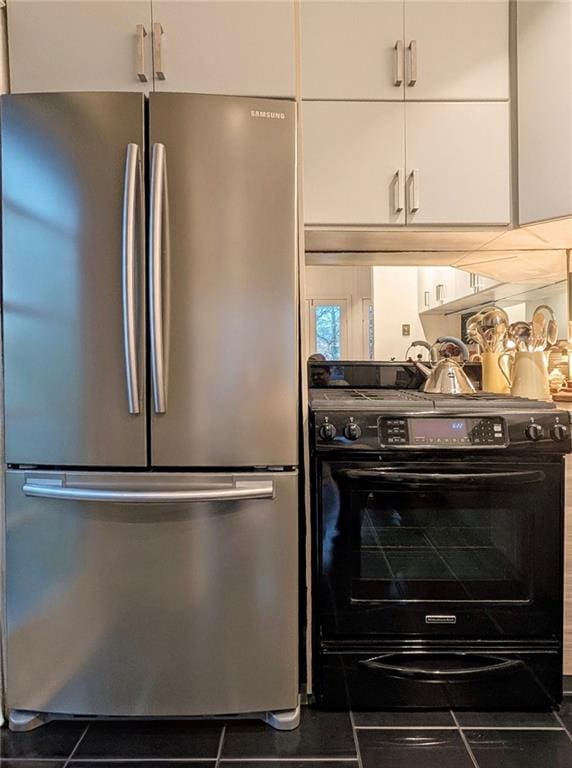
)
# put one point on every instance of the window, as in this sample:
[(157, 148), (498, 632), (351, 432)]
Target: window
[(328, 329)]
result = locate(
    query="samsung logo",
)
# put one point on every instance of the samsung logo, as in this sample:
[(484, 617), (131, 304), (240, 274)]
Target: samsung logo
[(267, 115)]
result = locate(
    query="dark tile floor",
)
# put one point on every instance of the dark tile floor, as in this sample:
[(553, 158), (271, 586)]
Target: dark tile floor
[(324, 740)]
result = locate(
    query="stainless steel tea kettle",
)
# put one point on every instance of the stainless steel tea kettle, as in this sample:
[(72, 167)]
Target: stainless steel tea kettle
[(446, 376)]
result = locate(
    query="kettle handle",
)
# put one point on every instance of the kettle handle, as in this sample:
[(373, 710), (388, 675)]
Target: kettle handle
[(454, 340), (510, 364)]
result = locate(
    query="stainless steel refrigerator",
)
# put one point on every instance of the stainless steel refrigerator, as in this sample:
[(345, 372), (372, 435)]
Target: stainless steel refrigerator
[(150, 354)]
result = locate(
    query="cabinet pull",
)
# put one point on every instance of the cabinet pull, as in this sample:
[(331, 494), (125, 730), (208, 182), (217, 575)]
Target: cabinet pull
[(398, 63), (141, 34), (158, 51), (427, 299), (414, 177), (440, 292), (412, 48), (398, 192)]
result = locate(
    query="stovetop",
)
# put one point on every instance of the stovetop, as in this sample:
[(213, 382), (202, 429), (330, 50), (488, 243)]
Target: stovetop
[(338, 398), (381, 406)]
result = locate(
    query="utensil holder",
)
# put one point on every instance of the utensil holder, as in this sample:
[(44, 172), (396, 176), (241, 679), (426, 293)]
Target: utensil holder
[(528, 374), (495, 374)]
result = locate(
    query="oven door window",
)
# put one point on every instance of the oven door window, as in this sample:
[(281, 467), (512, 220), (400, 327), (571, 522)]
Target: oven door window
[(398, 536), (432, 546)]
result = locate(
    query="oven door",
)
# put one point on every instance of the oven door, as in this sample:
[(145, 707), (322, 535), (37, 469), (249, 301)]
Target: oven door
[(456, 549)]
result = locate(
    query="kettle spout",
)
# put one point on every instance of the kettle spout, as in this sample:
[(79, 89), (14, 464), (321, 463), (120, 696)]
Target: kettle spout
[(425, 370)]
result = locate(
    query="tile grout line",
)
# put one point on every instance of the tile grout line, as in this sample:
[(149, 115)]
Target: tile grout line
[(563, 724), (221, 742), (455, 728), (74, 750), (289, 760), (405, 727), (114, 760), (356, 740), (465, 740)]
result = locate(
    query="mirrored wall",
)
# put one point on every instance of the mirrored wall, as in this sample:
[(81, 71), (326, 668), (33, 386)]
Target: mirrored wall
[(377, 312)]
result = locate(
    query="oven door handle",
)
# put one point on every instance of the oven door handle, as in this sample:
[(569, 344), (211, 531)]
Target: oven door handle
[(442, 478), (458, 674)]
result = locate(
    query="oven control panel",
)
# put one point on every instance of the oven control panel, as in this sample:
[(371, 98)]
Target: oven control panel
[(545, 431), (441, 432)]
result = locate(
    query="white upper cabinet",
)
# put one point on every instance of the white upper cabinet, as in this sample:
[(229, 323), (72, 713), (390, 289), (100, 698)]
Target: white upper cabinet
[(226, 47), (72, 45), (457, 50), (352, 49), (458, 163), (222, 47), (354, 157), (417, 49), (544, 50)]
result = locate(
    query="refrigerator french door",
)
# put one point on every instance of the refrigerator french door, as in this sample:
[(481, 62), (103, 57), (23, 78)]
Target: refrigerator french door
[(150, 358), (221, 280)]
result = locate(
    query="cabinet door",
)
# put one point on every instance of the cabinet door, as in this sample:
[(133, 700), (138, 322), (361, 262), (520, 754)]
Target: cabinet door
[(545, 109), (72, 45), (458, 163), (460, 49), (229, 47), (354, 156), (425, 287), (352, 50)]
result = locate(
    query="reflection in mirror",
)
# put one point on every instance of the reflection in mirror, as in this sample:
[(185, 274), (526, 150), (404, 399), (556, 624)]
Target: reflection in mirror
[(378, 312)]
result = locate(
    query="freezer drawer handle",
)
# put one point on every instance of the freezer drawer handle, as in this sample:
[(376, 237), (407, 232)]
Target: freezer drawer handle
[(128, 270), (241, 490), (444, 675), (158, 241)]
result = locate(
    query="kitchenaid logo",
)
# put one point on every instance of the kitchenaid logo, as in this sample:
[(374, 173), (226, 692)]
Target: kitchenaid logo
[(267, 115), (440, 618)]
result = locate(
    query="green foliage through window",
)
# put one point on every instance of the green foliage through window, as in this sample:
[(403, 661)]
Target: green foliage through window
[(328, 330)]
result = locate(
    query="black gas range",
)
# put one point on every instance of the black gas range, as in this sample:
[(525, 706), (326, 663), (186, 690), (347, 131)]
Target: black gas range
[(438, 544)]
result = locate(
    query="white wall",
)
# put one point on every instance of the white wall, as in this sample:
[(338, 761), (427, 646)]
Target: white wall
[(394, 304)]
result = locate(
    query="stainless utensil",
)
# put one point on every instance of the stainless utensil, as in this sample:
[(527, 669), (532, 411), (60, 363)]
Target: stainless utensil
[(545, 327), (519, 335), (488, 327)]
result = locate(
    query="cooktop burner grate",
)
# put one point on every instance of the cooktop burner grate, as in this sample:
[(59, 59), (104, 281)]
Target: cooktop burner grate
[(382, 398)]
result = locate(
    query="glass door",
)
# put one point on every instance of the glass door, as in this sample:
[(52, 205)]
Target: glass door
[(421, 547), (328, 327)]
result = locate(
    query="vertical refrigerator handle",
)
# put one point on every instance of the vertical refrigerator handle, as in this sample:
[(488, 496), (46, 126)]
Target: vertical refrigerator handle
[(158, 215), (128, 270)]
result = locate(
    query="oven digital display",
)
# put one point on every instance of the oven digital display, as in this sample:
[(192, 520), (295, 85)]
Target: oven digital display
[(429, 429)]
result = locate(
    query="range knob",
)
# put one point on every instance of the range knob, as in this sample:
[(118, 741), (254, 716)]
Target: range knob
[(327, 431), (534, 432), (559, 432), (352, 431)]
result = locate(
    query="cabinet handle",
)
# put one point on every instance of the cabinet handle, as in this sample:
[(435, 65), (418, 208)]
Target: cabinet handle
[(158, 51), (412, 48), (440, 292), (141, 34), (398, 63), (414, 177), (398, 192), (427, 299)]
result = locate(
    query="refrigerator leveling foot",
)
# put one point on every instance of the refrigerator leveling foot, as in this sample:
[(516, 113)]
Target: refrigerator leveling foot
[(20, 720), (286, 720)]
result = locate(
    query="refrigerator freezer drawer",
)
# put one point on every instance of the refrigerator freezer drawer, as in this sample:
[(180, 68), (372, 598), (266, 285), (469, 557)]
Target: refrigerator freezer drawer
[(152, 594)]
